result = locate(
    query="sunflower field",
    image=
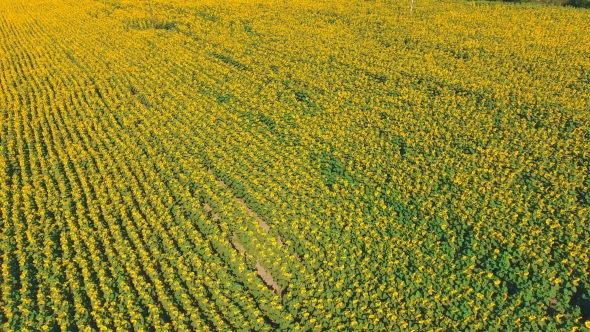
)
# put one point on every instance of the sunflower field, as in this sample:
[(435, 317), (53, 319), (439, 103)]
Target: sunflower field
[(294, 165)]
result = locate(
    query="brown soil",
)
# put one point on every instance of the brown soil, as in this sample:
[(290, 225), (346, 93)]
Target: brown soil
[(264, 274), (267, 278), (234, 240), (208, 208), (261, 222)]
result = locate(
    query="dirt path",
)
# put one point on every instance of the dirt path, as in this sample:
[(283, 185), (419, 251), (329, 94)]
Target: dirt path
[(209, 209), (263, 273), (239, 247), (253, 214), (267, 278), (261, 222)]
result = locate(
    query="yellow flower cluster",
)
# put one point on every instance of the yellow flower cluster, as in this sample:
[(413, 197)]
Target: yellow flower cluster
[(293, 165)]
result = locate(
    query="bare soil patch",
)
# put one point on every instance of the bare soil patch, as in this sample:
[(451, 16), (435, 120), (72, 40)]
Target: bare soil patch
[(263, 273), (261, 222), (209, 209), (255, 215), (267, 278), (239, 247)]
